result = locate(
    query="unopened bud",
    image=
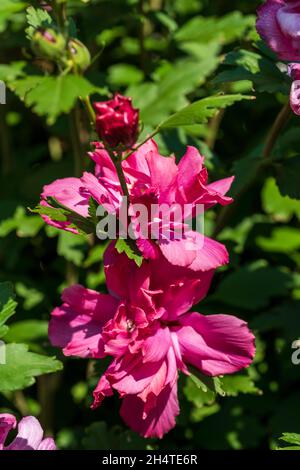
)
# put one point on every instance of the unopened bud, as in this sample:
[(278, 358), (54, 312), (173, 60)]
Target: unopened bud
[(80, 54), (48, 44)]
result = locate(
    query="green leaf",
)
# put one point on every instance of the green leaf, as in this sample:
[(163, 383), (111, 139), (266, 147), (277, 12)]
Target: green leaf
[(158, 100), (22, 367), (124, 75), (262, 72), (282, 208), (7, 10), (252, 287), (9, 72), (282, 240), (60, 213), (7, 305), (72, 247), (27, 331), (37, 18), (288, 177), (24, 225), (200, 111), (290, 438), (123, 247), (233, 385), (52, 96), (226, 29)]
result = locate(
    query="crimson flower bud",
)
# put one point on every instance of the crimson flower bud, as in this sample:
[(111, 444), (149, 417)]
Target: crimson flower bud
[(117, 122)]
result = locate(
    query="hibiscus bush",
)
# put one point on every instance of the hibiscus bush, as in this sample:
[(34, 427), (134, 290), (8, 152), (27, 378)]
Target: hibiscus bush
[(149, 224)]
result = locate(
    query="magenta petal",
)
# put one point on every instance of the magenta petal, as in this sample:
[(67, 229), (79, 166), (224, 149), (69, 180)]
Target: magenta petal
[(180, 252), (159, 420), (76, 325), (210, 254), (7, 423), (155, 347), (189, 167), (215, 344), (270, 30)]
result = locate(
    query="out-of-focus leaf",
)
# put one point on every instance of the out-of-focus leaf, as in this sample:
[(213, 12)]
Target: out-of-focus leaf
[(288, 177), (282, 240), (72, 247), (227, 28), (159, 100), (23, 224), (27, 331), (252, 287), (282, 208)]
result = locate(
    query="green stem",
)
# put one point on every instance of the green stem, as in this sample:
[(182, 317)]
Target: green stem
[(153, 134), (277, 127), (75, 140), (90, 110)]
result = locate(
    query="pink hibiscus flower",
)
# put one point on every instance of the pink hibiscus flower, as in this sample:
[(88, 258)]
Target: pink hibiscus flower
[(29, 437), (153, 181), (278, 24), (144, 325)]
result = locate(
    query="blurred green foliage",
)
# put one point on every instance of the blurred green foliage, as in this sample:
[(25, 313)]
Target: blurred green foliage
[(166, 54)]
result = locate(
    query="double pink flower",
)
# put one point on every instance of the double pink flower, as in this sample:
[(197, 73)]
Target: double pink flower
[(145, 326), (152, 180)]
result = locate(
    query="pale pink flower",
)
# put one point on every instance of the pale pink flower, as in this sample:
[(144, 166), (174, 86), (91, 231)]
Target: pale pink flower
[(153, 180), (29, 437), (144, 325)]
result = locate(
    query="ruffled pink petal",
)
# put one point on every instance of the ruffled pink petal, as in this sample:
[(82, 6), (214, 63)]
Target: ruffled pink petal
[(30, 435), (215, 344), (76, 326), (159, 420), (156, 346)]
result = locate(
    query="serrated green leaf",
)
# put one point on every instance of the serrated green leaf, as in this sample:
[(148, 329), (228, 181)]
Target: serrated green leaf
[(233, 385), (123, 247), (37, 18), (52, 96), (22, 367), (200, 111)]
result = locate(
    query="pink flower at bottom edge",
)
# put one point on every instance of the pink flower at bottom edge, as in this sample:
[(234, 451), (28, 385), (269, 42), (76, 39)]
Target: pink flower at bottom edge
[(29, 437)]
